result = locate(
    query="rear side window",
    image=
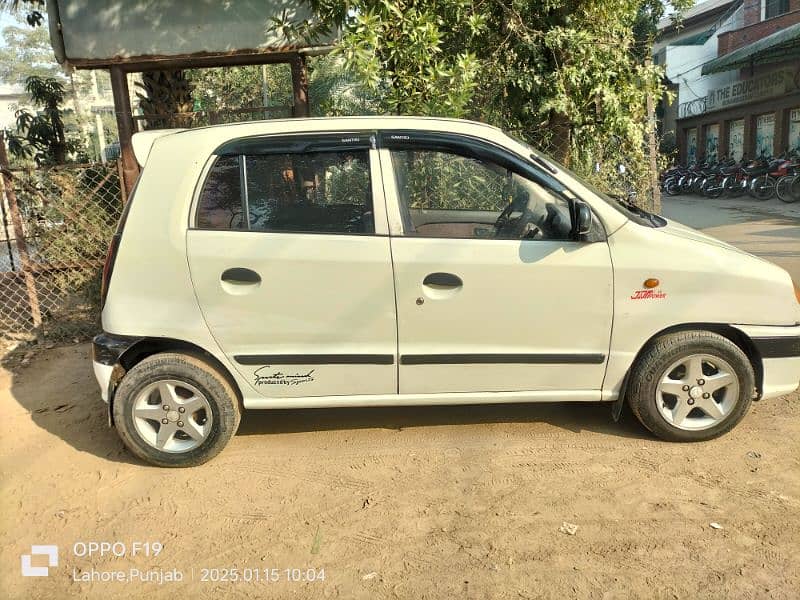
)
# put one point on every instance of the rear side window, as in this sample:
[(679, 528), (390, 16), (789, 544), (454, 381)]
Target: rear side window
[(313, 192), (221, 200)]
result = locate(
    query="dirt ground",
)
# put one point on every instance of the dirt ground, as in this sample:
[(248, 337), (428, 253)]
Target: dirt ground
[(435, 502)]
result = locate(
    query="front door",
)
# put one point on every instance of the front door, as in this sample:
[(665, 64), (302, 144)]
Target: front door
[(494, 292), (291, 265)]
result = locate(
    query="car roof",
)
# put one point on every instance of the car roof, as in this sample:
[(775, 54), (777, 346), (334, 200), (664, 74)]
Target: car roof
[(199, 137), (299, 124)]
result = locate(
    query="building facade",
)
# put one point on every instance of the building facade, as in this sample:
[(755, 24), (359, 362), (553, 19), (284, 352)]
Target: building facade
[(737, 81)]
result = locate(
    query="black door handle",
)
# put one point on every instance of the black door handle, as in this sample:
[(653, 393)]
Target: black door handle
[(240, 275), (445, 280)]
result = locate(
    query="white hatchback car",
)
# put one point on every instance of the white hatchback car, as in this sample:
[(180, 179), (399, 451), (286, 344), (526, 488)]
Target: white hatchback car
[(399, 261)]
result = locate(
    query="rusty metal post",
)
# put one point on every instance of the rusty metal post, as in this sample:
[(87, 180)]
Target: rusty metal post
[(122, 109), (300, 86), (19, 234)]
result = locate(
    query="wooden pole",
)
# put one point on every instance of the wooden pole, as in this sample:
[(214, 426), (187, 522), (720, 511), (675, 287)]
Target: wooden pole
[(122, 109), (655, 190), (19, 235), (300, 86)]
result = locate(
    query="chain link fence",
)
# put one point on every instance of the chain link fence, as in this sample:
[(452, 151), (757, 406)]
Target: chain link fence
[(56, 226)]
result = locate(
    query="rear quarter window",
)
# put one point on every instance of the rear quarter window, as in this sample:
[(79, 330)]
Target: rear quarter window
[(221, 202)]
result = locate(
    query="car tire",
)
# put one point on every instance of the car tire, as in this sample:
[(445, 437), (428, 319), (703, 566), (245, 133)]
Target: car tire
[(655, 375), (147, 404)]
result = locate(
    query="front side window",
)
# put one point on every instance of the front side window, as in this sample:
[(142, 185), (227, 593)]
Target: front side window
[(448, 195), (314, 192)]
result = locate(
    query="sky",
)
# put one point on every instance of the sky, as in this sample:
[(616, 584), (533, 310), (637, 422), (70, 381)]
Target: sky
[(6, 20)]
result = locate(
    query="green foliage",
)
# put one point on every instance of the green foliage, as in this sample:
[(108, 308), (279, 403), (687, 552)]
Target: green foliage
[(406, 51), (42, 135), (334, 90), (27, 52), (164, 97), (227, 88), (566, 75), (668, 146), (33, 10)]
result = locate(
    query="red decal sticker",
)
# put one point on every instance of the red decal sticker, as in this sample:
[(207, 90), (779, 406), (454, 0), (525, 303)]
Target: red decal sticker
[(648, 295)]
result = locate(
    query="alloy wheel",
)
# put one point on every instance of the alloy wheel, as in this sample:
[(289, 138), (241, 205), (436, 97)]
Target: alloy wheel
[(697, 392), (172, 416)]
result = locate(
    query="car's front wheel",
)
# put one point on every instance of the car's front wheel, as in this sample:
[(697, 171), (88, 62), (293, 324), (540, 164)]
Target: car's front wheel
[(175, 410), (691, 386)]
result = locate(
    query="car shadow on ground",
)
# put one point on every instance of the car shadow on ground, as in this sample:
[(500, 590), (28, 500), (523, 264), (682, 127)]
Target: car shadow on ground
[(575, 417), (57, 389)]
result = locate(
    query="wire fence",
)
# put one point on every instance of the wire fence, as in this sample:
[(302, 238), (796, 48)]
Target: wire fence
[(55, 226)]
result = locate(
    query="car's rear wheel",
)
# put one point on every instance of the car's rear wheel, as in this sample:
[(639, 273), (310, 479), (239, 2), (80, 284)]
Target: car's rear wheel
[(691, 386), (175, 410)]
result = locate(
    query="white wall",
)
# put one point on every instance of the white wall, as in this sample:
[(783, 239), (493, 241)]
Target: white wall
[(684, 63)]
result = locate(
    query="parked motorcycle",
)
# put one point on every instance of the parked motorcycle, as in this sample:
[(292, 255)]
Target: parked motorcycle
[(787, 187)]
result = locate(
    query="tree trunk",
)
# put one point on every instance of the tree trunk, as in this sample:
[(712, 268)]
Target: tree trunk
[(58, 146), (167, 99), (655, 190), (561, 140)]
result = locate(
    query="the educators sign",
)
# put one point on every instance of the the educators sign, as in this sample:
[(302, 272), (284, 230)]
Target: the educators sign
[(764, 86)]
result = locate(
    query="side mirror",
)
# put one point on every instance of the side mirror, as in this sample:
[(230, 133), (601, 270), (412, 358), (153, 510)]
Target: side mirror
[(583, 218)]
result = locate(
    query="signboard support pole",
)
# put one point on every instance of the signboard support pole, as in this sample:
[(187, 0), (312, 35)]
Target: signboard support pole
[(122, 109)]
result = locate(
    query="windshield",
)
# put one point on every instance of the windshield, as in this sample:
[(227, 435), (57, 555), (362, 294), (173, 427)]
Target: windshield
[(628, 209)]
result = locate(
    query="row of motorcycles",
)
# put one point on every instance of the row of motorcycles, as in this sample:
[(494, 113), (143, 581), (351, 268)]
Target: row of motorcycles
[(761, 178)]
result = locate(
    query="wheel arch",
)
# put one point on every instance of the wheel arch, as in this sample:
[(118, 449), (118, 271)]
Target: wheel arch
[(148, 346), (737, 336)]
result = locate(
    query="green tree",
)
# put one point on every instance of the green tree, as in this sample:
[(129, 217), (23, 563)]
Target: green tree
[(410, 54), (569, 76), (165, 98), (32, 9), (228, 88), (334, 90), (42, 135), (27, 52)]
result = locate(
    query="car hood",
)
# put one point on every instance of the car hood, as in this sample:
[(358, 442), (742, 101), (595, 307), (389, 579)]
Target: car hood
[(687, 233)]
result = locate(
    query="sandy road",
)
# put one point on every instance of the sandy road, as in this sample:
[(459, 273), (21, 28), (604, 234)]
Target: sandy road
[(438, 502)]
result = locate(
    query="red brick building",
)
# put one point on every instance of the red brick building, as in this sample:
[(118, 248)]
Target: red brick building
[(757, 112)]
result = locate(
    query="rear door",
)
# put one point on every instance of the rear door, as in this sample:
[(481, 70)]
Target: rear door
[(488, 301), (291, 265)]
